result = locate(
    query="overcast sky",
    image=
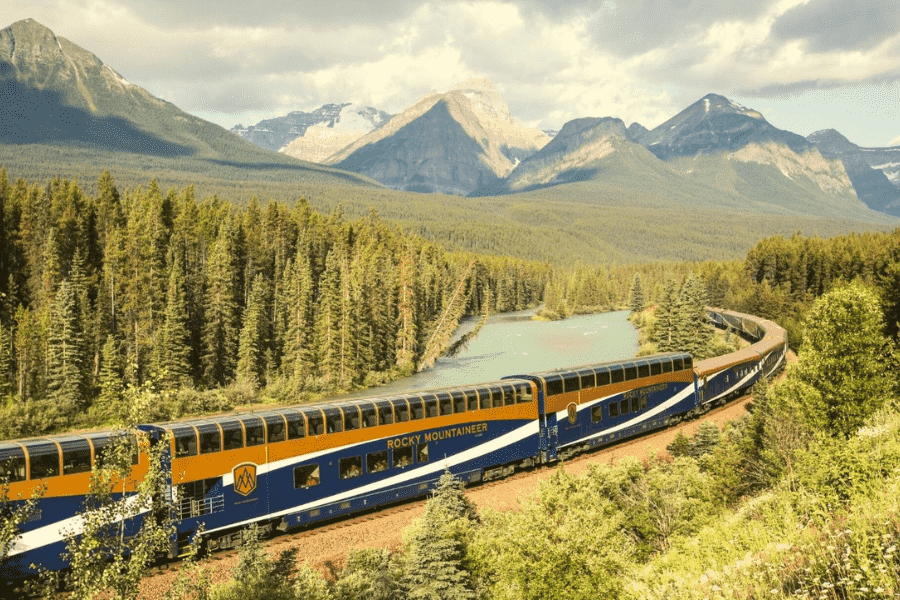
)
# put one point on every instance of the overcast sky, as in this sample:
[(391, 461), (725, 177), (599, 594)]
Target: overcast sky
[(805, 64)]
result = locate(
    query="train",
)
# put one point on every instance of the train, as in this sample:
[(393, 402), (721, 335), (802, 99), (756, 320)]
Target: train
[(289, 468)]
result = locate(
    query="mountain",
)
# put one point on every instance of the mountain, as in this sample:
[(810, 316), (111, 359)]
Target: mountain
[(456, 142), (874, 172), (321, 140), (276, 134), (584, 149), (63, 108)]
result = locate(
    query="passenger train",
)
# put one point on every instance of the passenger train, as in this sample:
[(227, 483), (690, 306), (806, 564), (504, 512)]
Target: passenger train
[(291, 467)]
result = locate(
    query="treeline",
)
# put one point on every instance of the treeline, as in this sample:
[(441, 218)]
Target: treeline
[(160, 289)]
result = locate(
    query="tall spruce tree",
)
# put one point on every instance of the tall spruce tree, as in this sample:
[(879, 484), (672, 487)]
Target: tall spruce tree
[(172, 350), (65, 350), (434, 561), (252, 352), (637, 294), (220, 330)]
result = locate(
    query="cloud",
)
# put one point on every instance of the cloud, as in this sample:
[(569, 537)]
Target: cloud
[(828, 25), (895, 141)]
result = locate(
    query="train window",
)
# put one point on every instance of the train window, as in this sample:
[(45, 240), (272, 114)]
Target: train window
[(416, 409), (306, 476), (102, 446), (571, 382), (315, 423), (459, 401), (296, 426), (496, 397), (644, 370), (255, 435), (385, 414), (351, 417), (630, 372), (210, 439), (76, 455), (401, 409), (554, 385), (688, 362), (350, 467), (588, 379), (655, 369), (471, 400), (602, 376), (275, 430), (636, 404), (643, 401), (445, 403), (667, 366), (524, 396), (376, 461), (369, 416), (613, 409), (334, 421), (12, 464), (185, 442), (678, 364), (402, 457), (422, 453), (484, 398), (596, 413), (44, 459), (623, 407), (509, 395), (617, 374), (232, 435), (431, 405)]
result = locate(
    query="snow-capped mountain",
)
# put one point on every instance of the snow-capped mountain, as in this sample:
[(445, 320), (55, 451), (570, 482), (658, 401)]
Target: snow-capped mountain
[(874, 172), (279, 132), (323, 139), (455, 142)]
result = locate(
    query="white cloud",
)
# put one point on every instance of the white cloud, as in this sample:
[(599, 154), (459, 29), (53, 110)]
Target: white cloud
[(895, 141)]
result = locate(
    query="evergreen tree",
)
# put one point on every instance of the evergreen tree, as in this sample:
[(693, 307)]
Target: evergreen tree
[(663, 333), (7, 377), (65, 350), (251, 366), (172, 350), (637, 294), (436, 551), (220, 330), (407, 330), (369, 574), (329, 321), (111, 387), (299, 352)]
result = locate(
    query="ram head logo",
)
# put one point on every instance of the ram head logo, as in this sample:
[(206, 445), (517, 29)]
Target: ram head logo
[(244, 478)]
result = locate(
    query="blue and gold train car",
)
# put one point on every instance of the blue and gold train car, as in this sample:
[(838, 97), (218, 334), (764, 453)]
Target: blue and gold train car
[(295, 466)]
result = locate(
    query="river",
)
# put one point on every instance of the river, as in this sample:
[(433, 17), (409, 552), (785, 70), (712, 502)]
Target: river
[(513, 343)]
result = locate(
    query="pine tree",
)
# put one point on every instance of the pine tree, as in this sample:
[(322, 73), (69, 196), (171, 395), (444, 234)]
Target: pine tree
[(407, 329), (7, 378), (251, 366), (664, 328), (111, 387), (65, 350), (637, 294), (220, 331), (172, 350), (436, 550)]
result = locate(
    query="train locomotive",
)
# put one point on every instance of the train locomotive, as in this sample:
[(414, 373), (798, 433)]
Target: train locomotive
[(292, 467)]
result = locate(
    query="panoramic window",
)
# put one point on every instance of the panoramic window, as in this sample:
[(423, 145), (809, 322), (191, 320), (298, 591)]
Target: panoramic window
[(403, 457), (232, 436), (376, 461), (350, 467), (306, 476)]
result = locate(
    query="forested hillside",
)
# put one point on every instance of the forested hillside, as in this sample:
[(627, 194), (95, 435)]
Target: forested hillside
[(161, 289)]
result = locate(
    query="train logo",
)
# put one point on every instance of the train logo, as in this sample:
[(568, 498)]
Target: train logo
[(244, 478), (573, 413)]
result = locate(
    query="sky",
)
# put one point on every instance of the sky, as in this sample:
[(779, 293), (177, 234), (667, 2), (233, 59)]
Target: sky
[(805, 65)]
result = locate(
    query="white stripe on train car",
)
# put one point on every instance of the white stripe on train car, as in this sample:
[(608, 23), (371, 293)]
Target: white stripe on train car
[(681, 395), (60, 530), (516, 435)]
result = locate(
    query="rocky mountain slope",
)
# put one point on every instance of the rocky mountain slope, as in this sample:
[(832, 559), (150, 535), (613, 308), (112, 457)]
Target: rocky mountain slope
[(456, 142), (323, 139), (63, 106), (277, 134), (874, 172)]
